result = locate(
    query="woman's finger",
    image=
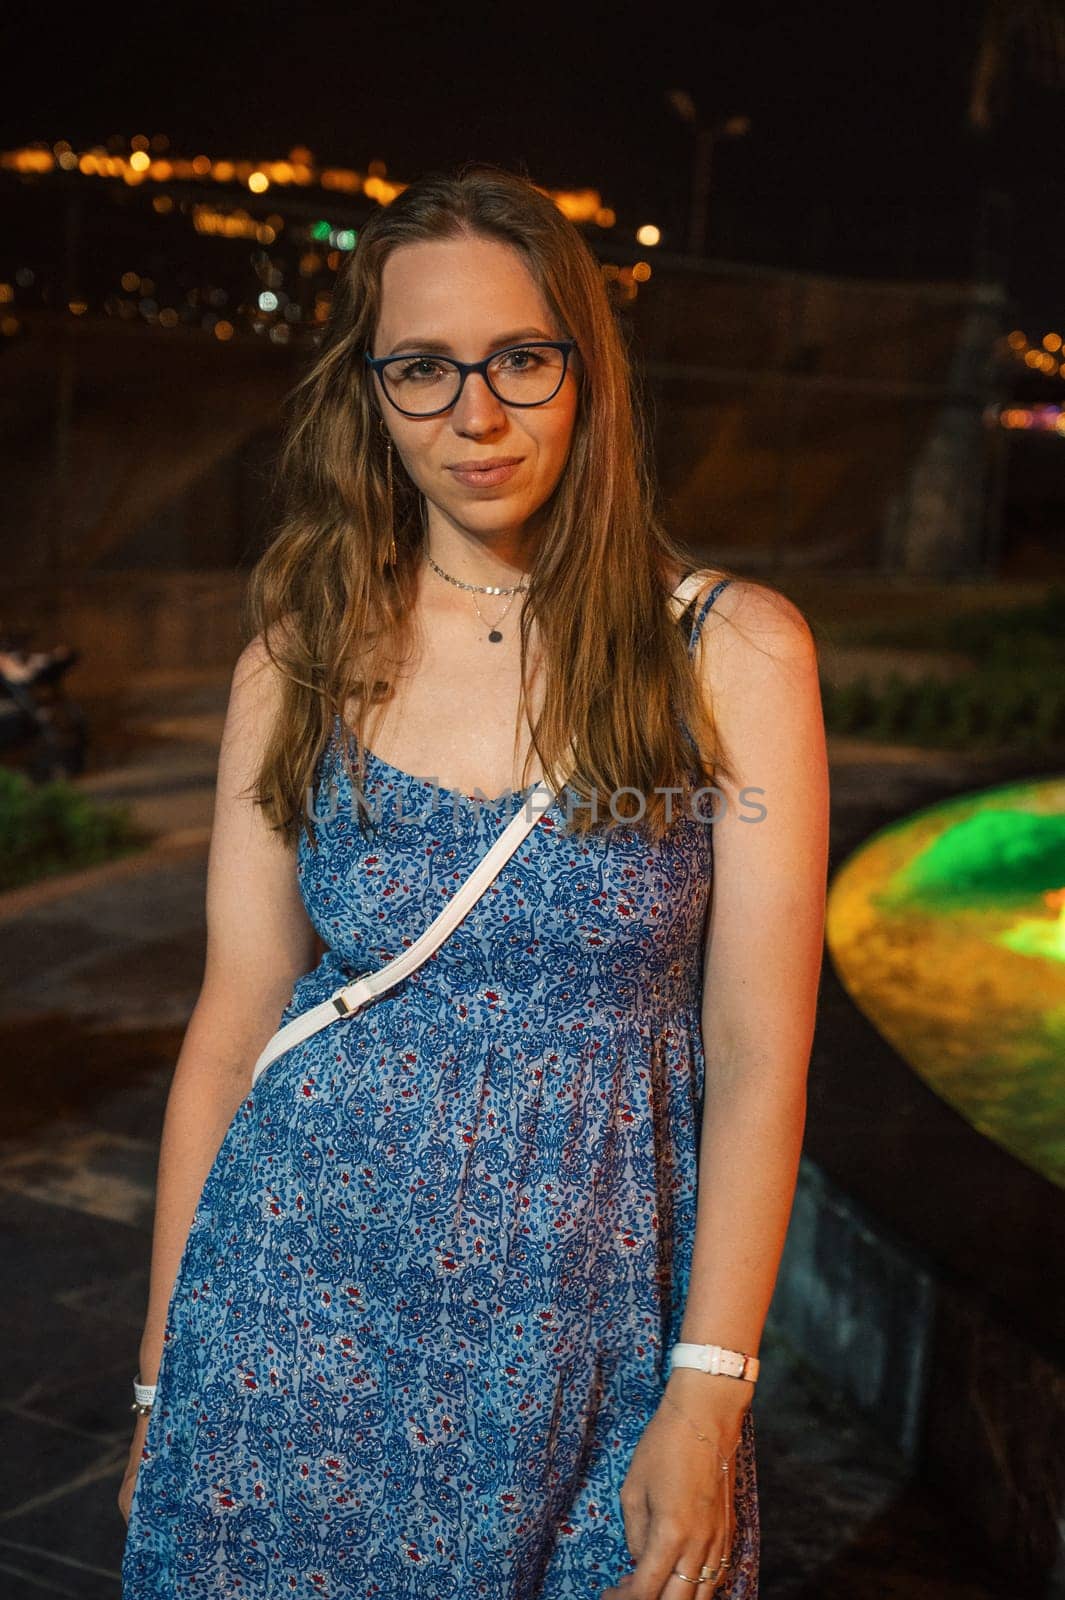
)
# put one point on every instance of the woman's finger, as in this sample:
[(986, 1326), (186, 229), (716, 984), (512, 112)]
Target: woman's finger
[(653, 1579), (635, 1516)]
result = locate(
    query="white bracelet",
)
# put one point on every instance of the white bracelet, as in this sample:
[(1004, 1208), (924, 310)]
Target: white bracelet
[(715, 1358), (143, 1397)]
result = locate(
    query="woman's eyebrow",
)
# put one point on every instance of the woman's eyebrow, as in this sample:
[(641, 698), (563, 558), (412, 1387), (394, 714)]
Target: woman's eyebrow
[(442, 347)]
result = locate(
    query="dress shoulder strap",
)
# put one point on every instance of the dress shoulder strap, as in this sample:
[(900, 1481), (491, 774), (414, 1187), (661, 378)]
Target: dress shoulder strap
[(687, 594)]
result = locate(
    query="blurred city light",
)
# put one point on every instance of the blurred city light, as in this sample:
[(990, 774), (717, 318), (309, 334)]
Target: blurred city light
[(289, 285)]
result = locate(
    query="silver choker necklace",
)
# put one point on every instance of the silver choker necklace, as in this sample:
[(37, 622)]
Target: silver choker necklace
[(475, 589)]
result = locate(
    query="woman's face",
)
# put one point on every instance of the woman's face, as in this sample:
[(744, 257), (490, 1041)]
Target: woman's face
[(468, 298)]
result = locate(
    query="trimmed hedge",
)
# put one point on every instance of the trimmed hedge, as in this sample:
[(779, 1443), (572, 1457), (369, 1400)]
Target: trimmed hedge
[(1014, 696), (51, 828), (989, 710)]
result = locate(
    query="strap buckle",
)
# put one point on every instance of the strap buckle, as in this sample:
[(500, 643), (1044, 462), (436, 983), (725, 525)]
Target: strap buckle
[(343, 1004)]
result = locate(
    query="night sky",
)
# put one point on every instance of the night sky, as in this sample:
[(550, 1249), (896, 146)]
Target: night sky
[(859, 157)]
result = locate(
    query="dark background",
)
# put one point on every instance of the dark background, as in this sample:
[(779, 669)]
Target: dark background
[(861, 158)]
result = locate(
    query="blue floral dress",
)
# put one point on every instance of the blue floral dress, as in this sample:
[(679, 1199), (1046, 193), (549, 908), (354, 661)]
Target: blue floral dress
[(423, 1314)]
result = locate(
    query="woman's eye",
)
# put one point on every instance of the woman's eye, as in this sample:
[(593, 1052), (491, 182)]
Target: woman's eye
[(523, 358), (423, 367)]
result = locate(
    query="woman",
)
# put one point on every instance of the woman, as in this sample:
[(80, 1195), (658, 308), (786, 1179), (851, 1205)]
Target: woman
[(414, 1297)]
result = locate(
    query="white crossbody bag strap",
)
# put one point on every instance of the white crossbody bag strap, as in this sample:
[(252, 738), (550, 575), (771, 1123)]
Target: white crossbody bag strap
[(352, 996)]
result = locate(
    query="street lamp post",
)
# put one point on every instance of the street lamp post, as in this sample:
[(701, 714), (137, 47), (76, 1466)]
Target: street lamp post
[(705, 136)]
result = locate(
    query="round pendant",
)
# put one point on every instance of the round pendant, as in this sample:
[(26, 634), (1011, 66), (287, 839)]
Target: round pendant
[(495, 636)]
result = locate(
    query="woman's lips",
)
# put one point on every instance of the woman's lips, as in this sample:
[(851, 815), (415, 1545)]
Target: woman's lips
[(485, 478)]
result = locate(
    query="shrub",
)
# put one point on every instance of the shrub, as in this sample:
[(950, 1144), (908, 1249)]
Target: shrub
[(51, 828)]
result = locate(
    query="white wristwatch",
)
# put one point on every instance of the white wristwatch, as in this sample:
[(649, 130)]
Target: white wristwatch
[(143, 1397), (715, 1358)]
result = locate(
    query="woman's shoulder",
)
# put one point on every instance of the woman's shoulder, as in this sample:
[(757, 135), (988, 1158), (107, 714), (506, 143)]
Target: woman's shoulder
[(767, 614), (261, 658), (697, 581), (257, 685)]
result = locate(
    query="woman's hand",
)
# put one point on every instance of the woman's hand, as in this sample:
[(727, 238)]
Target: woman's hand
[(129, 1481), (677, 1501)]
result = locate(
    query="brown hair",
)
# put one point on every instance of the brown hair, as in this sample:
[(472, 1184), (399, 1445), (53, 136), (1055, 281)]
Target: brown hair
[(618, 679)]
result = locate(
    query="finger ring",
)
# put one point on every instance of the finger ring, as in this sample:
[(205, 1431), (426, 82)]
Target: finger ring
[(678, 1574)]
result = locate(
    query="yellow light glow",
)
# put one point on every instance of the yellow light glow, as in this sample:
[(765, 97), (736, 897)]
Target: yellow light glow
[(162, 203), (1017, 340), (341, 178), (9, 326), (1052, 341), (1033, 358), (381, 190), (7, 294), (168, 317), (130, 281), (223, 330), (641, 271), (33, 160), (144, 162), (648, 235), (579, 205), (229, 225), (79, 307)]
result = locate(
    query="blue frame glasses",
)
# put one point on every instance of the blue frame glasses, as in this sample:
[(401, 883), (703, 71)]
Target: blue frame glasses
[(464, 368)]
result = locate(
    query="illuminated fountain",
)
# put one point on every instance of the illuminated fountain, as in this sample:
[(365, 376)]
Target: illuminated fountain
[(948, 930)]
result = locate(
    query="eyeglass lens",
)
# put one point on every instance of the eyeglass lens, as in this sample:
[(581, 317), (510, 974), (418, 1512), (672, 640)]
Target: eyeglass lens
[(527, 376)]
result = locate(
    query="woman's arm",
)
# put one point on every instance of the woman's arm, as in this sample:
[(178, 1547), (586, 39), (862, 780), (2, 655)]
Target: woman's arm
[(259, 940), (763, 963)]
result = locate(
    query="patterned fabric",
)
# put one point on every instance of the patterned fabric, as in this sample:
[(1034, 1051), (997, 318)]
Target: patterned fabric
[(424, 1310)]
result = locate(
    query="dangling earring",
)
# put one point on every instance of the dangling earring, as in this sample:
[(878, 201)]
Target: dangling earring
[(392, 552)]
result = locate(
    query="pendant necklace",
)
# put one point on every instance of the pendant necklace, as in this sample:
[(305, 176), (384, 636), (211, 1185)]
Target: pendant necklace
[(494, 635)]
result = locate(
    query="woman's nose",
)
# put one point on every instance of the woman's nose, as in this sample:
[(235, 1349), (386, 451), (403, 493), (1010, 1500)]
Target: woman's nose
[(477, 409)]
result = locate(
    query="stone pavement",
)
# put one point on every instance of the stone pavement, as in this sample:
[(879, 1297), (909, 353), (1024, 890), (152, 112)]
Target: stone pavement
[(98, 978)]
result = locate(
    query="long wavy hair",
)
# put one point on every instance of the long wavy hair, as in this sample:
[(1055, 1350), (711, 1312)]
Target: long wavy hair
[(620, 689)]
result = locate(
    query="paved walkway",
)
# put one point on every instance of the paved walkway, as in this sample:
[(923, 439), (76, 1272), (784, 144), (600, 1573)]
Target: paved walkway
[(98, 979)]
